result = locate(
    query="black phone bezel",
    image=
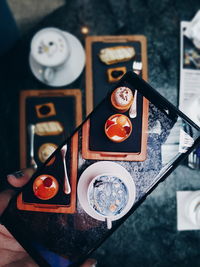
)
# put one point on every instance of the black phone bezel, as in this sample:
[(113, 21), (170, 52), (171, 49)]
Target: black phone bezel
[(169, 109)]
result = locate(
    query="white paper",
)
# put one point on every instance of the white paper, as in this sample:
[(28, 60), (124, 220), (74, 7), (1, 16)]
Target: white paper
[(189, 97)]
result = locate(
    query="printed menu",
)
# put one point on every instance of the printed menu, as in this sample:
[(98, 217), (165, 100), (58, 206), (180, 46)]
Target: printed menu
[(189, 96), (189, 99)]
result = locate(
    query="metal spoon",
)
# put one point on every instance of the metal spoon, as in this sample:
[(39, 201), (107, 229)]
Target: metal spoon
[(31, 130), (133, 108), (66, 187)]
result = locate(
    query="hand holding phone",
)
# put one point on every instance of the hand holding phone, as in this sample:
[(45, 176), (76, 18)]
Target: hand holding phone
[(113, 162)]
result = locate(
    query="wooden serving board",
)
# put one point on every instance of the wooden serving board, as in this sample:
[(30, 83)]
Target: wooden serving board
[(68, 105), (96, 77), (56, 208), (117, 156)]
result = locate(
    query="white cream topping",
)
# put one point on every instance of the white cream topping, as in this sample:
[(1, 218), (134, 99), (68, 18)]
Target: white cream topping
[(123, 96), (116, 137), (115, 120)]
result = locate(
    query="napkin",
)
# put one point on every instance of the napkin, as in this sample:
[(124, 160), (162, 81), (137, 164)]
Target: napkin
[(184, 220)]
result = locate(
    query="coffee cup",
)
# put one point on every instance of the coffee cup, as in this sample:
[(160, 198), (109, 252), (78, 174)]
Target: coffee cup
[(50, 49), (193, 30), (108, 196), (192, 208), (195, 33)]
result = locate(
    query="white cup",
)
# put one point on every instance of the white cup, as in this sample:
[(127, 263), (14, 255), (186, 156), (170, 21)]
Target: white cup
[(195, 32), (192, 208), (50, 49)]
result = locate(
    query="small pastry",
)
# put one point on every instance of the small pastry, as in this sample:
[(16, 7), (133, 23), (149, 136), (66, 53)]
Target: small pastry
[(45, 110), (45, 187), (45, 151), (48, 128), (115, 74), (116, 54), (122, 98), (118, 128)]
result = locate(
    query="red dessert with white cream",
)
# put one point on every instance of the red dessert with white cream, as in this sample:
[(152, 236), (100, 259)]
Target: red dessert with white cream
[(45, 187), (118, 128)]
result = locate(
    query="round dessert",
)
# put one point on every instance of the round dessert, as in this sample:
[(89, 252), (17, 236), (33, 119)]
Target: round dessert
[(122, 98), (45, 187), (45, 151), (118, 128)]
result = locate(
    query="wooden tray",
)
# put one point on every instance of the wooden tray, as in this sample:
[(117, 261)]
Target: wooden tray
[(122, 156), (139, 43), (71, 208), (70, 122)]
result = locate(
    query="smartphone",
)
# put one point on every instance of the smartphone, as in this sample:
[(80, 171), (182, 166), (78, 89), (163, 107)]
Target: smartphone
[(101, 174)]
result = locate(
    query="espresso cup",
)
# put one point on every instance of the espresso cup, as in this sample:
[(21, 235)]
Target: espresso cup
[(194, 31), (108, 197), (192, 208), (50, 49)]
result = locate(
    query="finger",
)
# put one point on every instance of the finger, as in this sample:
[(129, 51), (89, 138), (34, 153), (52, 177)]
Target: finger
[(5, 232), (8, 242), (20, 178), (5, 197), (89, 263), (7, 257), (26, 261), (17, 179)]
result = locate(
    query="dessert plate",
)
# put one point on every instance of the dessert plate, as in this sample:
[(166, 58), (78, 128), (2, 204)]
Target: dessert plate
[(98, 169), (70, 71)]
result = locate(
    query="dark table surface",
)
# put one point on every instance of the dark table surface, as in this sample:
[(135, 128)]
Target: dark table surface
[(149, 237)]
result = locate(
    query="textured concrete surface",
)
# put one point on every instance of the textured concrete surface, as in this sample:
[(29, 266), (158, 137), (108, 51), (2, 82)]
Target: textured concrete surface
[(28, 13), (149, 237)]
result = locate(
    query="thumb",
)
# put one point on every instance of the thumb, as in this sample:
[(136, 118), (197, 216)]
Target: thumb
[(17, 179), (20, 178)]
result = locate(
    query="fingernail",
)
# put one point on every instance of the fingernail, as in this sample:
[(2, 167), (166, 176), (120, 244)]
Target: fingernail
[(17, 174)]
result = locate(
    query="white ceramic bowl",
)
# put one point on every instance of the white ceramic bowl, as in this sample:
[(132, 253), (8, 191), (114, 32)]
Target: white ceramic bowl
[(102, 168)]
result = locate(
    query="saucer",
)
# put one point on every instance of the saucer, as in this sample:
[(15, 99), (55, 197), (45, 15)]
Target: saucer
[(98, 169), (70, 70)]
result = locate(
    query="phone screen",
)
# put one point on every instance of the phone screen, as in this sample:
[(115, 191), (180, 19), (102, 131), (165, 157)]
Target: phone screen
[(131, 141)]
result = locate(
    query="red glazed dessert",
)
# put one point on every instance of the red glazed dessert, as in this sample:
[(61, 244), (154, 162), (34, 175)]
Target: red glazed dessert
[(45, 187), (118, 128)]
